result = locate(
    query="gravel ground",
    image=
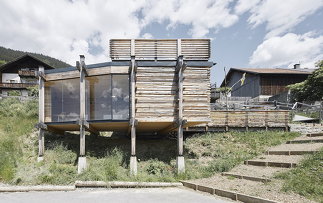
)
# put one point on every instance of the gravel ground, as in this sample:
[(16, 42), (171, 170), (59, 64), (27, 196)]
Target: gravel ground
[(297, 147), (257, 171), (270, 190)]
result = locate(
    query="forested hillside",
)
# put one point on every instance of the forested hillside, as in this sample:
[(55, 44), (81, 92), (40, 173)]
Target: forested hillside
[(7, 55)]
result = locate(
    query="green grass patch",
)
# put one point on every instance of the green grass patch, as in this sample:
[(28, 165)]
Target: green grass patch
[(307, 178), (219, 152), (17, 119), (108, 156)]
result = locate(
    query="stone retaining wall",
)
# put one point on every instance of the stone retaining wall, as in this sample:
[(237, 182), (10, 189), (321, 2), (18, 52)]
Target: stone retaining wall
[(306, 128)]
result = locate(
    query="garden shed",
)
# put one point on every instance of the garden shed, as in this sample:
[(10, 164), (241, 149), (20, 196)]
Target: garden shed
[(149, 85)]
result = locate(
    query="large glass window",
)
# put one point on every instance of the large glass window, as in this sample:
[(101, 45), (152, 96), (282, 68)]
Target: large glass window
[(65, 100), (108, 97), (120, 97)]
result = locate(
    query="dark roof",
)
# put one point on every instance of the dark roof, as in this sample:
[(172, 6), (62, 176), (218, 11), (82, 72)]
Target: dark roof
[(269, 71), (22, 59)]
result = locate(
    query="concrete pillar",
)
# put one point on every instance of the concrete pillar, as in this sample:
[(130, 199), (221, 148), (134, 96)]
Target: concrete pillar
[(82, 159), (180, 163), (133, 158), (41, 145)]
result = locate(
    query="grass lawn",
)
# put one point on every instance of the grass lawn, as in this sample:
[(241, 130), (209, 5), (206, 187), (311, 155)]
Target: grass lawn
[(108, 156), (307, 178)]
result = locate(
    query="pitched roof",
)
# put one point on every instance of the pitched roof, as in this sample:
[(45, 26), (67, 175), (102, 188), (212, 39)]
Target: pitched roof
[(274, 70), (24, 58), (269, 71)]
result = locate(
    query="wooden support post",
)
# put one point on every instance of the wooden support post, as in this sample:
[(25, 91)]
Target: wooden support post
[(82, 158), (226, 121), (180, 141), (247, 120), (41, 140), (133, 123), (266, 120)]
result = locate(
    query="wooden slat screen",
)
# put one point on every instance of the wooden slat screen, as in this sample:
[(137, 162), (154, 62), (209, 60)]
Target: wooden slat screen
[(161, 49)]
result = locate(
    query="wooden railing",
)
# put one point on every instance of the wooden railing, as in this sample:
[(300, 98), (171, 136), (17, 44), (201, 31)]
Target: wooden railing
[(160, 49), (16, 85), (27, 73), (245, 119)]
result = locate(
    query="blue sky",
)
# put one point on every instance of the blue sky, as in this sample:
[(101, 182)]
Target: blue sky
[(244, 33)]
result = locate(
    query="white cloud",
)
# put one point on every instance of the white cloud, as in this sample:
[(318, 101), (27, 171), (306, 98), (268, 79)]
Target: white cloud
[(202, 15), (289, 49), (64, 29), (279, 16)]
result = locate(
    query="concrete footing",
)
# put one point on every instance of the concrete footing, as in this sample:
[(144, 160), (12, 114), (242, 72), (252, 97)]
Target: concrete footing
[(133, 165), (180, 164), (40, 158), (81, 166)]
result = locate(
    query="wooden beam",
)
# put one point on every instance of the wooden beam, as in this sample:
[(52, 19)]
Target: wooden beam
[(41, 113), (82, 104), (87, 126), (133, 106)]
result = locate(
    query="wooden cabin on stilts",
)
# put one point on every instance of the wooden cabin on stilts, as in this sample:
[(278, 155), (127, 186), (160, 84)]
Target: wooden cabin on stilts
[(157, 86)]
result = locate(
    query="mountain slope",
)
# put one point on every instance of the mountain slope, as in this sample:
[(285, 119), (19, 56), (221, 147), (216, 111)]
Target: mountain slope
[(7, 55)]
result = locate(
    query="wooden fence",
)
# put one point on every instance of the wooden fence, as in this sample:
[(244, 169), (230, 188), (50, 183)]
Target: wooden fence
[(245, 119)]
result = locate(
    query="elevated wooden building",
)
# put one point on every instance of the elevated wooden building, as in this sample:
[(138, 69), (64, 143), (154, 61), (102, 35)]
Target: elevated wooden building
[(154, 86)]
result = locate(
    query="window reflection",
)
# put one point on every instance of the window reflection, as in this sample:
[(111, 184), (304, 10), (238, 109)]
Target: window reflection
[(107, 98), (65, 100), (120, 97)]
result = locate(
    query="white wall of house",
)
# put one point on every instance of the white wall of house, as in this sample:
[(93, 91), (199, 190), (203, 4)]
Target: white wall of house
[(6, 77)]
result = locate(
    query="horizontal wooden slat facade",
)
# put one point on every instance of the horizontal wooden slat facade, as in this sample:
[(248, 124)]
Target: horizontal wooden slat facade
[(161, 49), (156, 94), (248, 119)]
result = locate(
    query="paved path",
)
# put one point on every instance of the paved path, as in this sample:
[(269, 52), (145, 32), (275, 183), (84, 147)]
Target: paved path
[(142, 195)]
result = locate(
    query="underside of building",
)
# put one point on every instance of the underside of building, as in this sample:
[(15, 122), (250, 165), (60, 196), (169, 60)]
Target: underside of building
[(151, 86)]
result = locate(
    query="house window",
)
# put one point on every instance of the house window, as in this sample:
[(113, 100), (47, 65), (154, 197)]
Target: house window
[(65, 100), (108, 96), (12, 81)]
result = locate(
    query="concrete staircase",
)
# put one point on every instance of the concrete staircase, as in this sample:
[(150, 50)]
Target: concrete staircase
[(276, 158), (251, 175)]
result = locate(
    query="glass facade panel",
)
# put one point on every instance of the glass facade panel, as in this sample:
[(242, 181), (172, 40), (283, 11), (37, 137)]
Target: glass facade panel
[(107, 98), (65, 100), (100, 97), (120, 97)]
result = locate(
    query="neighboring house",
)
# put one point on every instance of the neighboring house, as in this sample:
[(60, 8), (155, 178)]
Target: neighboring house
[(20, 74), (263, 82)]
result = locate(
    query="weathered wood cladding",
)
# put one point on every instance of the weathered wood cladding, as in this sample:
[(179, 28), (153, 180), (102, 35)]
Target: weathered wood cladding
[(156, 98), (250, 118), (161, 49), (156, 94)]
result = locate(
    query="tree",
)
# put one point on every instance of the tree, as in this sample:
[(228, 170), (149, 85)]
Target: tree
[(310, 89)]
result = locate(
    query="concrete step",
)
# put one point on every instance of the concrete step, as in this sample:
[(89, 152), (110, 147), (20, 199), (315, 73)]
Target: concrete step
[(252, 178), (314, 134), (295, 149), (275, 161), (256, 171), (286, 152), (304, 141)]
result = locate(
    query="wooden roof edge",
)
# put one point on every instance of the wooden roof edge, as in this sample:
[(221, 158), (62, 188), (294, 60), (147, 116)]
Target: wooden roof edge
[(5, 66), (144, 63)]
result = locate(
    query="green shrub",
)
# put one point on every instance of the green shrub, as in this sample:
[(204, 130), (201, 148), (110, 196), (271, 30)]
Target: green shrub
[(14, 93)]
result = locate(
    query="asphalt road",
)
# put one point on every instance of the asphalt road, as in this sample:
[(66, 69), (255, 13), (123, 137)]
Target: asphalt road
[(142, 195)]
